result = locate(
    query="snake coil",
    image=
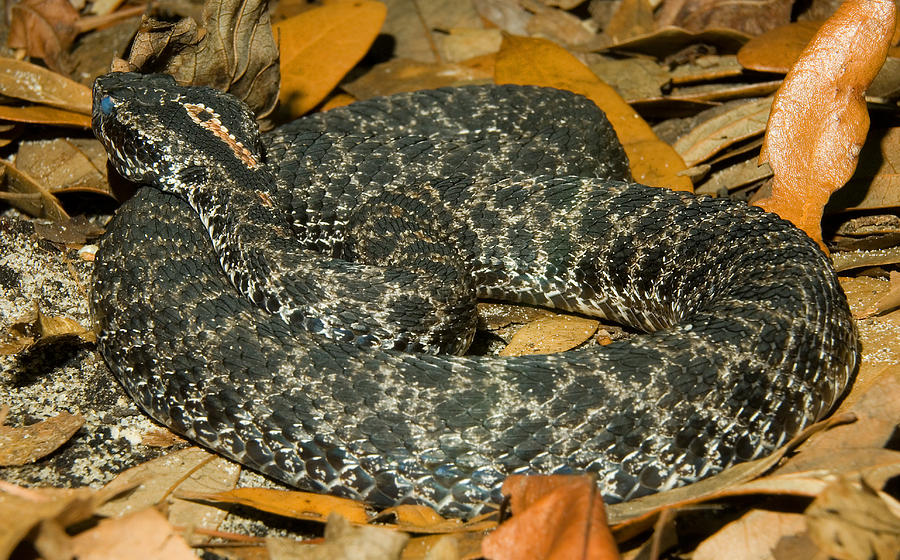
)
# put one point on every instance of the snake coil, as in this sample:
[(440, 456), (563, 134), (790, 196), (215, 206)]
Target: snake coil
[(288, 300)]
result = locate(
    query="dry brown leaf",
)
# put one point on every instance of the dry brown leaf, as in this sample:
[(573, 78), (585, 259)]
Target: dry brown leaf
[(462, 44), (29, 82), (143, 535), (777, 50), (44, 29), (539, 62), (555, 517), (422, 519), (343, 541), (65, 164), (76, 231), (887, 302), (547, 335), (751, 18), (819, 118), (37, 329), (187, 470), (20, 446), (755, 535), (39, 114), (663, 42), (399, 75), (296, 505), (717, 133), (319, 46), (876, 181), (233, 51), (851, 521)]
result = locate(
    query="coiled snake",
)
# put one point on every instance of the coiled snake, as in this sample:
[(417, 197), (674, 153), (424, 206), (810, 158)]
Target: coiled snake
[(284, 299)]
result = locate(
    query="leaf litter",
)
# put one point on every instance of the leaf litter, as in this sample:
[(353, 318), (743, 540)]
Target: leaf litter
[(695, 55)]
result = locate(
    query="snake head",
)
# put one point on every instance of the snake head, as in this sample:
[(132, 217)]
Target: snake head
[(172, 137)]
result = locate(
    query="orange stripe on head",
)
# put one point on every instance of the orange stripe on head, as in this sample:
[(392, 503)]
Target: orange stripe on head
[(209, 119)]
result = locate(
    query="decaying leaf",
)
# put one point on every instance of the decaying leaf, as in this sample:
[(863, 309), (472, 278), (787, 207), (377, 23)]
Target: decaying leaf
[(44, 29), (20, 446), (142, 535), (819, 118), (65, 164), (296, 505), (233, 51), (539, 62), (398, 75), (850, 520), (29, 82), (746, 17), (319, 46), (554, 517), (755, 535), (343, 541), (723, 129), (547, 335), (37, 329)]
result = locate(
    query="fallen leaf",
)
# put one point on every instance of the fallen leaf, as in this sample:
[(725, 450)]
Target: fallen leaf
[(37, 329), (812, 156), (852, 521), (776, 50), (319, 46), (65, 164), (296, 505), (723, 129), (399, 75), (20, 446), (539, 62), (29, 82), (233, 51), (142, 535), (887, 302), (751, 18), (663, 42), (547, 335), (39, 114), (422, 519), (187, 470), (754, 535), (44, 29), (343, 541), (554, 517), (875, 182)]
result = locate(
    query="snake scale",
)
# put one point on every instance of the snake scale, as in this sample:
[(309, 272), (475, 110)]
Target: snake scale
[(297, 300)]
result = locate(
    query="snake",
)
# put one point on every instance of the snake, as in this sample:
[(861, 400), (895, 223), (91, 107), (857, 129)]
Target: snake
[(301, 300)]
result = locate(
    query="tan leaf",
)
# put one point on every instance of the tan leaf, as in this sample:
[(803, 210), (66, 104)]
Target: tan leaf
[(542, 63), (399, 75), (297, 505), (39, 114), (876, 182), (319, 46), (422, 519), (29, 82), (755, 535), (20, 446), (751, 18), (852, 521), (811, 155), (718, 132), (555, 517), (143, 535), (547, 335), (187, 470), (343, 541), (65, 164)]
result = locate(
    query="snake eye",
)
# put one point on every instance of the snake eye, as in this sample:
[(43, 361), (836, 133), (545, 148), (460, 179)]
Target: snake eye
[(106, 105)]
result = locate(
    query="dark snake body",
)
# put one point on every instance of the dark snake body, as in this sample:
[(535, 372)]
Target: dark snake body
[(510, 192)]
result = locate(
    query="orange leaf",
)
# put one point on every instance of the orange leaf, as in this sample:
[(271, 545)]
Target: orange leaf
[(554, 517), (296, 505), (819, 119), (319, 46), (539, 62)]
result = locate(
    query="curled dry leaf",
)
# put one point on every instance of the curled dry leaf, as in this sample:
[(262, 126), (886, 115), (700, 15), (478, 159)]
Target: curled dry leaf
[(143, 535), (819, 118), (37, 329), (542, 63), (44, 29), (319, 46), (233, 51), (555, 517), (20, 446)]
